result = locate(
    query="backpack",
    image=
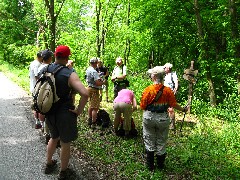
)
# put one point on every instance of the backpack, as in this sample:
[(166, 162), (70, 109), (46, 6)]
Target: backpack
[(133, 132), (44, 93), (103, 118)]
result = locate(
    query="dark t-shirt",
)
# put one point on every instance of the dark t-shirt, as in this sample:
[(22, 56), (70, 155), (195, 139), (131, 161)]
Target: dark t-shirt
[(103, 70)]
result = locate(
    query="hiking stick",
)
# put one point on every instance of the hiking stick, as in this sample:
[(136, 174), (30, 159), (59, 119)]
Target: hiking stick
[(183, 118)]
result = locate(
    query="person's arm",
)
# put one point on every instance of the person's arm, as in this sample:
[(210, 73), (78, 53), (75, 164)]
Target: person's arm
[(134, 103), (107, 73), (178, 107), (97, 79), (35, 71), (75, 83)]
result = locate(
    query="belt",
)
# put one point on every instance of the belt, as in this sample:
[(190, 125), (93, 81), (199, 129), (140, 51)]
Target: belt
[(156, 111), (159, 111)]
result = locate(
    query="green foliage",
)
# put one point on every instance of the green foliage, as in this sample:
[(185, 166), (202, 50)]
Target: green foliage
[(158, 32), (229, 110), (18, 75), (21, 56)]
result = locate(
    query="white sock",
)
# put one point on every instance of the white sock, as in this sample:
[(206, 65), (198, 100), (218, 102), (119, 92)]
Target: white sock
[(37, 121)]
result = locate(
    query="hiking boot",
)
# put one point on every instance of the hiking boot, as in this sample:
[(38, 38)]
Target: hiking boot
[(67, 174), (50, 167), (38, 126)]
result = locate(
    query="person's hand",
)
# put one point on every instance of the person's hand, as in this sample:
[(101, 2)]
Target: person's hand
[(113, 79), (175, 91), (75, 111)]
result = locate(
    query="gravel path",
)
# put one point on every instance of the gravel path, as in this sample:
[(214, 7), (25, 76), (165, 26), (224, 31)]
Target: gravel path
[(22, 152)]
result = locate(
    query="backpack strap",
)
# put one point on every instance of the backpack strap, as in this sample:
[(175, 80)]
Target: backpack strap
[(57, 69), (172, 80), (159, 94)]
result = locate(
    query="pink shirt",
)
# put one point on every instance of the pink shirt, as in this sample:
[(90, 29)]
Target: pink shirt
[(125, 96)]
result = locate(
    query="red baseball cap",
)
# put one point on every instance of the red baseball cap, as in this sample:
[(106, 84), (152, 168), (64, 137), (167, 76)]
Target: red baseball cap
[(62, 51)]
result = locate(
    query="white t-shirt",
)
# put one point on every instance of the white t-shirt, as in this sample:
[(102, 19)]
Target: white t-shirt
[(33, 72), (170, 80), (119, 71)]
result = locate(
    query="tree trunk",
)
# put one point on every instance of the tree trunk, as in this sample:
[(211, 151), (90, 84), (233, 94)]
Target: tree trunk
[(98, 11), (53, 21), (127, 47), (204, 52), (52, 26), (211, 90), (235, 36)]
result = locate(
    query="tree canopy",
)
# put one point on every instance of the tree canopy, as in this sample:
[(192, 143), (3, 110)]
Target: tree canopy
[(144, 33)]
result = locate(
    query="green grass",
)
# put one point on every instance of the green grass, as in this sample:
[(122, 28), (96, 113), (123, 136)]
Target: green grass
[(208, 147), (17, 75)]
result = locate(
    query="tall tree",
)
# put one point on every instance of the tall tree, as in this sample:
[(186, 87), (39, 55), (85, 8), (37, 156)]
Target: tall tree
[(127, 46), (204, 54), (52, 16)]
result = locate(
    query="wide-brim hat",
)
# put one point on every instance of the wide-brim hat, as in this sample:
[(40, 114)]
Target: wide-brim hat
[(156, 70), (118, 60), (169, 65), (93, 60)]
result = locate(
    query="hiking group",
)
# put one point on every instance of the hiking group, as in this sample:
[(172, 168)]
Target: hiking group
[(59, 121)]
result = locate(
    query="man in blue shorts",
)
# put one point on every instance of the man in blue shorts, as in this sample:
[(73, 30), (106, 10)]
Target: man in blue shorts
[(62, 122)]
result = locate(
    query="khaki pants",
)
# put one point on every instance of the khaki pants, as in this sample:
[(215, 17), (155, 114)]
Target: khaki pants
[(126, 110), (94, 97)]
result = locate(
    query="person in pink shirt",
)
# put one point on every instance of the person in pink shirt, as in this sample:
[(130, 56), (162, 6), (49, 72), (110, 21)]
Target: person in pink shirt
[(125, 103)]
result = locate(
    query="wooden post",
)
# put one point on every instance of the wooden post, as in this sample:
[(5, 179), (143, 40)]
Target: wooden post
[(189, 74), (190, 89)]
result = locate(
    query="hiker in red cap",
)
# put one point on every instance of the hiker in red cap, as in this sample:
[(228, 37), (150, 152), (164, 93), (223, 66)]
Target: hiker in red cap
[(62, 122)]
